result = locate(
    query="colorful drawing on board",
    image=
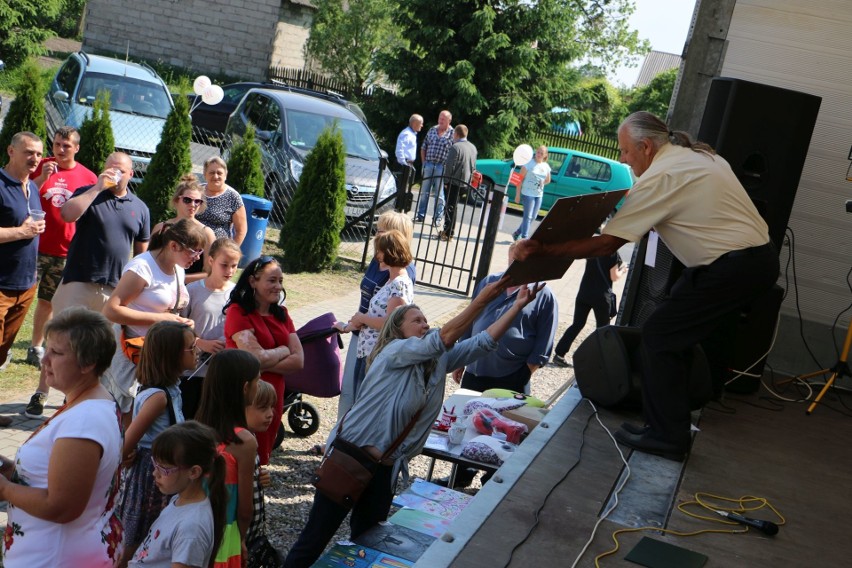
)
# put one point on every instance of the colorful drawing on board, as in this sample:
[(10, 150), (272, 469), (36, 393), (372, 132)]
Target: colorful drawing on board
[(433, 499), (421, 521)]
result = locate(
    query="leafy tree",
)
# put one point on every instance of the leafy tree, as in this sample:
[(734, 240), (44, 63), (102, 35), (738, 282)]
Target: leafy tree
[(314, 220), (499, 66), (26, 112), (244, 165), (347, 36), (171, 161), (597, 105), (22, 29), (96, 139), (655, 96)]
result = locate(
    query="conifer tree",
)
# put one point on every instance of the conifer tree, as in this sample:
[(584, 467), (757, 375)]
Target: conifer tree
[(171, 161), (244, 165), (96, 138), (26, 112), (311, 234)]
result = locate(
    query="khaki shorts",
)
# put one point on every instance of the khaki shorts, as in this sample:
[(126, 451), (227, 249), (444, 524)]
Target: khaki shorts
[(49, 275), (86, 294)]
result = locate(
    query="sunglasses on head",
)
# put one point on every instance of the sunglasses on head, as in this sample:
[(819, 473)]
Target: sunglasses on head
[(191, 201), (261, 263)]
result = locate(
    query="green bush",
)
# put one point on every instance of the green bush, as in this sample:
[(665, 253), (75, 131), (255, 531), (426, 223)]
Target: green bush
[(96, 139), (26, 112), (311, 234), (171, 161), (244, 166)]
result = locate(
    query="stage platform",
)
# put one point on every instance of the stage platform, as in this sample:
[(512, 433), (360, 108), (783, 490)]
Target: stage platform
[(747, 445)]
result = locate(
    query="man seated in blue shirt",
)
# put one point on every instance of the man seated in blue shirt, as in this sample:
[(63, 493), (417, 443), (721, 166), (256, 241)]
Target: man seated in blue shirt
[(524, 348)]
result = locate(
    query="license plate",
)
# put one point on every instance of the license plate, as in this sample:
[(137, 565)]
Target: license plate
[(353, 211)]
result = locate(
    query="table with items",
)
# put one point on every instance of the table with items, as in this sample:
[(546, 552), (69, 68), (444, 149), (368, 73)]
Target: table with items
[(480, 430)]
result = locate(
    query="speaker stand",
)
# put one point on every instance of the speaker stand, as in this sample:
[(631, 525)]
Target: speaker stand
[(840, 369)]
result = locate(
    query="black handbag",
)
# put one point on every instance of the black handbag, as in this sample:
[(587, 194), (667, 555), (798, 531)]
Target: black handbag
[(261, 554), (347, 469)]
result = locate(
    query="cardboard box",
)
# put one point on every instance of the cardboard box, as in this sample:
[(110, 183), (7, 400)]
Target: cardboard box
[(528, 415)]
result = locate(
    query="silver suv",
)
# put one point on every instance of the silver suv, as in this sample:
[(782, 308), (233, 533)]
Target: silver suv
[(139, 102)]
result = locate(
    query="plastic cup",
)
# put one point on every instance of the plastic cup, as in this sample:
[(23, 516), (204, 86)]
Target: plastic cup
[(456, 434), (37, 215)]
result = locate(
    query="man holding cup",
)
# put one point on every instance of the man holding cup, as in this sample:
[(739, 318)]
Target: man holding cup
[(21, 223), (112, 222), (56, 177)]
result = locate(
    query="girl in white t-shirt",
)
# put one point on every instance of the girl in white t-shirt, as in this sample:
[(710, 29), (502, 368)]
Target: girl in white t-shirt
[(207, 299), (169, 350), (536, 175), (189, 529)]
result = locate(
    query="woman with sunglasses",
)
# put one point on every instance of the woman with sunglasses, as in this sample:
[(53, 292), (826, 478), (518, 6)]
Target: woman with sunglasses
[(151, 289), (188, 202), (255, 321)]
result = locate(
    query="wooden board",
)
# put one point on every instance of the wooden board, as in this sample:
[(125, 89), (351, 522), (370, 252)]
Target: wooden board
[(569, 219)]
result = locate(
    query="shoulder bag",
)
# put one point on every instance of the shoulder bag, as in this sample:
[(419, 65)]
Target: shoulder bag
[(132, 347), (347, 469)]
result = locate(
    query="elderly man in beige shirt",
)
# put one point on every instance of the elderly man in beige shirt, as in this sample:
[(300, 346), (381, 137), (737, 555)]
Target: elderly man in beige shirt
[(693, 200)]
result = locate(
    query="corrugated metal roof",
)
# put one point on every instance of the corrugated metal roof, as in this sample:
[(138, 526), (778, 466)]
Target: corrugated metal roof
[(655, 63)]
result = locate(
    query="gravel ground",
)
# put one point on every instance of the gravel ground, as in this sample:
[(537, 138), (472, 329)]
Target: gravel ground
[(290, 496)]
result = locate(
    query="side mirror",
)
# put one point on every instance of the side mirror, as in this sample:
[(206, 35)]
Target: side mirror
[(263, 135), (60, 96)]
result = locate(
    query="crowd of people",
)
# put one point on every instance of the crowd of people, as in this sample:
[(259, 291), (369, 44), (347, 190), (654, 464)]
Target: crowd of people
[(174, 393)]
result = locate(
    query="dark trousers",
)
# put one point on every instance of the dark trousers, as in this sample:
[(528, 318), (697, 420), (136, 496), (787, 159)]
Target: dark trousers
[(701, 300), (450, 209), (581, 315), (517, 381), (326, 517)]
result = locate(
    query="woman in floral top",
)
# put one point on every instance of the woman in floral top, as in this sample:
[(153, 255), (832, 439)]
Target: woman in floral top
[(78, 450), (393, 255)]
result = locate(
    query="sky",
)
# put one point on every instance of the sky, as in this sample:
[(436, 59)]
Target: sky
[(664, 23)]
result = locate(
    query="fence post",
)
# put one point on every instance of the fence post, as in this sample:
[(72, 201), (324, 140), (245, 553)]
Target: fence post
[(495, 202)]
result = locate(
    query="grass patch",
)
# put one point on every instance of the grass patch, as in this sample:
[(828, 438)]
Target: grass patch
[(19, 380), (10, 78)]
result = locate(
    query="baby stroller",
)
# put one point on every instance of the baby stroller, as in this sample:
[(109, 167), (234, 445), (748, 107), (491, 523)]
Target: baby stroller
[(321, 376)]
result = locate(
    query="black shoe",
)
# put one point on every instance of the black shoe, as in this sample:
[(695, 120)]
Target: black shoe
[(631, 428), (560, 361), (648, 444), (419, 219), (445, 237), (35, 408)]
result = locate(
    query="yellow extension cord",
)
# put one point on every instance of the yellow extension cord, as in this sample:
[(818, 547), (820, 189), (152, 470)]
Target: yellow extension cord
[(742, 505)]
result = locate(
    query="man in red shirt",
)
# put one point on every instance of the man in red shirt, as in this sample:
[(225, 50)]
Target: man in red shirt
[(57, 178)]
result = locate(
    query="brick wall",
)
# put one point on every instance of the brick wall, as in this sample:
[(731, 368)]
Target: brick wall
[(292, 30), (233, 37)]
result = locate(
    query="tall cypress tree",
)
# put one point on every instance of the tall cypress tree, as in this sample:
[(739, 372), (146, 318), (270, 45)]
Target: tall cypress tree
[(171, 161), (311, 234), (96, 139), (244, 165), (26, 112)]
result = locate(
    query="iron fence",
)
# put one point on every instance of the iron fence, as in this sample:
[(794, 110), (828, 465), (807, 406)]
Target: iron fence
[(598, 145)]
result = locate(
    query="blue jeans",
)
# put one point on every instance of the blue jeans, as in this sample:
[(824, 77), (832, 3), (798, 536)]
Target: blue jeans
[(531, 207), (432, 178)]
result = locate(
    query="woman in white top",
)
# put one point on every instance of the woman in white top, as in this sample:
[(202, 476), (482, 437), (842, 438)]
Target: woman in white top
[(61, 487), (394, 255), (536, 175), (151, 289)]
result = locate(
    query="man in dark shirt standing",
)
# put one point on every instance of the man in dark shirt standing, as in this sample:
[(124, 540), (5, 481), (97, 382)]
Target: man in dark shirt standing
[(111, 223), (19, 231)]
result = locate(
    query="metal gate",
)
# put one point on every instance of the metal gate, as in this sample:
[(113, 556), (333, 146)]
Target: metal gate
[(454, 241)]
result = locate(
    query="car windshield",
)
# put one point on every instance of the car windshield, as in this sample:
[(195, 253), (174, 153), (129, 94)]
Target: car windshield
[(126, 94), (303, 129)]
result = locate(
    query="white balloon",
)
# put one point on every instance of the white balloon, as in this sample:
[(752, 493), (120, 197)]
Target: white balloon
[(523, 154), (200, 84), (213, 95)]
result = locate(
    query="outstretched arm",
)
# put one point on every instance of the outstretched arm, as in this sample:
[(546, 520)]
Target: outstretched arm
[(453, 329), (603, 245)]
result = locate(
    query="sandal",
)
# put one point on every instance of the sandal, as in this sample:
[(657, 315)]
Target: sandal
[(317, 450)]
